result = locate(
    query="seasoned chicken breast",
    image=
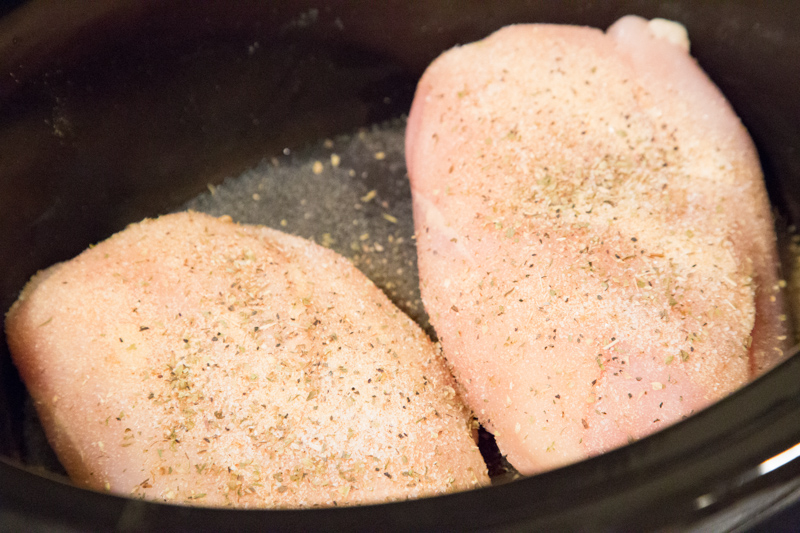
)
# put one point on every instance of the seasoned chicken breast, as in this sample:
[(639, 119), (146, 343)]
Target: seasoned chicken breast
[(596, 248), (192, 360)]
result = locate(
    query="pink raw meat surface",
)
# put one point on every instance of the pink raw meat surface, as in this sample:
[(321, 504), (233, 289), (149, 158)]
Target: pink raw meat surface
[(596, 248), (192, 360)]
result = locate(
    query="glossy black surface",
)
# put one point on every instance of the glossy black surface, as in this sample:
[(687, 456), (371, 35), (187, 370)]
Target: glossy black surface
[(113, 112)]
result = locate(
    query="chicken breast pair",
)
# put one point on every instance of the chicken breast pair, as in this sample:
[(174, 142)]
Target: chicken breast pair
[(596, 254)]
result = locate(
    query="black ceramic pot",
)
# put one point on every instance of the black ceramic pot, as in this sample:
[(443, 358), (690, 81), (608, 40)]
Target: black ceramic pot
[(110, 112)]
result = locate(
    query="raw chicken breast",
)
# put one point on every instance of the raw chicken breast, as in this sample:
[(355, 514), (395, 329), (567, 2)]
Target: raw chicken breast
[(193, 360), (595, 243)]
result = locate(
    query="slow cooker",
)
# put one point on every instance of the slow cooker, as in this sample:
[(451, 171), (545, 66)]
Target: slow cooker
[(115, 111)]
